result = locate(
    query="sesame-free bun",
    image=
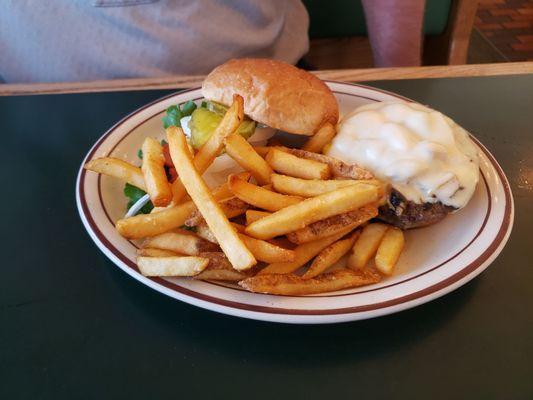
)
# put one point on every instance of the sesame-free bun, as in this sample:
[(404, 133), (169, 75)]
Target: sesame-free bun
[(275, 93)]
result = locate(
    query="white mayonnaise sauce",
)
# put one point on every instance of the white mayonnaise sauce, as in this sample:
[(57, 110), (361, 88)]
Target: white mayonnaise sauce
[(424, 154)]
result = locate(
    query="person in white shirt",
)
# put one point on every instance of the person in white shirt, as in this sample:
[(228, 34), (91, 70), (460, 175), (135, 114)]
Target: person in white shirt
[(83, 40)]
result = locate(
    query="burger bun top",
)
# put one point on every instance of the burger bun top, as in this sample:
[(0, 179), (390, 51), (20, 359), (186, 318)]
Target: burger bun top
[(275, 93)]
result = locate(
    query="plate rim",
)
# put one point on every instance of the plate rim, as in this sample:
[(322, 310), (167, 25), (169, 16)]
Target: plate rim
[(273, 314)]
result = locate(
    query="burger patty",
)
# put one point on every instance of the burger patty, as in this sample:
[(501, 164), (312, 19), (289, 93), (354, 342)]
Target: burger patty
[(406, 214)]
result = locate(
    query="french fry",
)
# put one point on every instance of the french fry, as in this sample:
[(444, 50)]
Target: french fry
[(313, 187), (313, 209), (254, 215), (211, 149), (282, 241), (302, 254), (145, 225), (321, 138), (180, 241), (155, 177), (229, 124), (231, 208), (117, 169), (171, 266), (222, 192), (204, 232), (244, 154), (262, 250), (238, 254), (289, 164), (262, 150), (330, 255), (367, 244), (238, 227), (157, 253), (267, 252), (339, 169), (220, 269), (259, 196), (295, 285), (332, 225), (389, 250)]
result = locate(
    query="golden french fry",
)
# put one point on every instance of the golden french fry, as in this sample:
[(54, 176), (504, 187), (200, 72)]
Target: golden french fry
[(302, 254), (289, 164), (240, 257), (389, 250), (321, 138), (367, 244), (332, 225), (259, 196), (262, 250), (171, 266), (229, 124), (295, 285), (267, 252), (339, 169), (262, 150), (220, 269), (144, 225), (282, 241), (155, 177), (204, 232), (244, 154), (180, 241), (117, 169), (330, 255), (314, 187), (222, 192), (313, 209), (157, 253), (211, 149), (231, 207), (238, 227), (254, 215)]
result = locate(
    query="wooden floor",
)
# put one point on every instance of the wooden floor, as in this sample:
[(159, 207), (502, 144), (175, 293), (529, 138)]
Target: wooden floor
[(503, 32), (355, 52), (508, 25), (337, 53)]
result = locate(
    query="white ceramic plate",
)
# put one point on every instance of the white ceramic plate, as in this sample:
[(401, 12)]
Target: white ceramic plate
[(436, 259)]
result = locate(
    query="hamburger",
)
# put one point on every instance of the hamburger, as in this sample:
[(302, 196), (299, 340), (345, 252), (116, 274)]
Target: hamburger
[(429, 160), (275, 94), (277, 97)]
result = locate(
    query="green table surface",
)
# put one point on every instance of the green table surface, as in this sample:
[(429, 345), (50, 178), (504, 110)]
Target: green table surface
[(73, 325)]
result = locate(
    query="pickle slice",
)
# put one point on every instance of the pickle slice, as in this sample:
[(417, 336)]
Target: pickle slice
[(204, 122), (217, 107), (202, 125), (246, 128)]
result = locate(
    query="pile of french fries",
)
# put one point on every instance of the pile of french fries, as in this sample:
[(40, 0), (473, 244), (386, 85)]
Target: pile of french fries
[(302, 226)]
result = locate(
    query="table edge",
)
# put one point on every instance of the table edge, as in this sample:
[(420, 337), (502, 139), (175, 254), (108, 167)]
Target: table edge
[(343, 75)]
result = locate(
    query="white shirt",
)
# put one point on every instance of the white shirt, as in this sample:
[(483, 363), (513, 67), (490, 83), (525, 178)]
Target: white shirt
[(80, 40)]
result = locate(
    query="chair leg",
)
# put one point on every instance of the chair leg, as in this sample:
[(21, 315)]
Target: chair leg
[(452, 46)]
